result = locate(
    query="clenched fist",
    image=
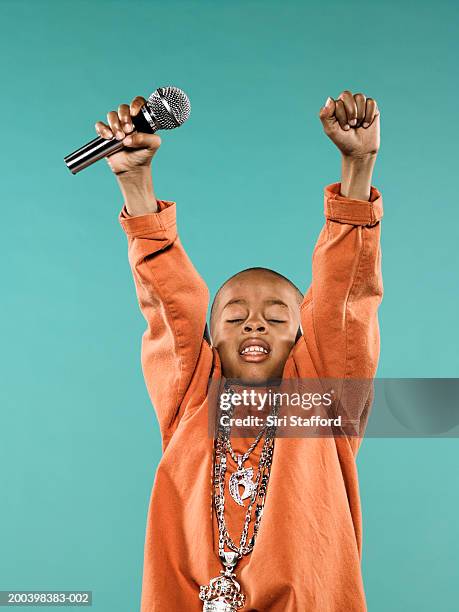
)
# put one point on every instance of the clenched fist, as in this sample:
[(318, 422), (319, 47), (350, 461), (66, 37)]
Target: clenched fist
[(352, 123), (141, 147)]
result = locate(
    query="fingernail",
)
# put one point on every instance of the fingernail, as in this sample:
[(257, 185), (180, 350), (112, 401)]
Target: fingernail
[(365, 124), (347, 127), (128, 127), (352, 121), (127, 140), (119, 135), (327, 101)]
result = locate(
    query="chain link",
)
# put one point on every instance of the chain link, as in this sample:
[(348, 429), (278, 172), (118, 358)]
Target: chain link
[(221, 447)]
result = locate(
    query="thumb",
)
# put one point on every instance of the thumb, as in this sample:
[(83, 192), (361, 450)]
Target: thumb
[(141, 140), (327, 112)]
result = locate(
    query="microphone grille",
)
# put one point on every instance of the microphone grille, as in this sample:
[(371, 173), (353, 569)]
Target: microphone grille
[(170, 107)]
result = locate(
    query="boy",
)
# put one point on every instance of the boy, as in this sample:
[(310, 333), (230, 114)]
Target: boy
[(308, 550)]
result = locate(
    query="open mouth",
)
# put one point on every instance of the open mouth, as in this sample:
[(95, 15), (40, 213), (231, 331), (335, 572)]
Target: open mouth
[(254, 350)]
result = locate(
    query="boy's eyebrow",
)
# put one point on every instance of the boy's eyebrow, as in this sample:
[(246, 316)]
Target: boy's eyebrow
[(235, 301), (277, 301), (242, 301)]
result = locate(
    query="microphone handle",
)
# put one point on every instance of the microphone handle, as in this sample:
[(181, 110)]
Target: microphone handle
[(102, 147)]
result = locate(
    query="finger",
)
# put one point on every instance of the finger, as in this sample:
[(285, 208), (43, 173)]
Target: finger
[(349, 106), (136, 105), (370, 112), (340, 114), (103, 130), (327, 112), (115, 125), (125, 118), (140, 140), (360, 102)]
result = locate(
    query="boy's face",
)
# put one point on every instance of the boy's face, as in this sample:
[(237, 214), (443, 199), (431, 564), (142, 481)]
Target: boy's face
[(254, 325)]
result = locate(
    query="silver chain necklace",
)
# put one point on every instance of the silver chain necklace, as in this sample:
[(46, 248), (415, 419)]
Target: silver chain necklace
[(223, 594)]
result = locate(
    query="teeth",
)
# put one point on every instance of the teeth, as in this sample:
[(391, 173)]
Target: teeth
[(254, 349)]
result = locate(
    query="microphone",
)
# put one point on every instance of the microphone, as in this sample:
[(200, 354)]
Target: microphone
[(166, 109)]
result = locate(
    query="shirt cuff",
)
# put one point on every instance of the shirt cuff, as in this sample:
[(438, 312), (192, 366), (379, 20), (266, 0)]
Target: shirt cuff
[(151, 223), (351, 211)]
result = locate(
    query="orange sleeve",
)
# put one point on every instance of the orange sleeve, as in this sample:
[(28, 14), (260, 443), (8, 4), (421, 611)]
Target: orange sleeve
[(339, 311), (173, 299)]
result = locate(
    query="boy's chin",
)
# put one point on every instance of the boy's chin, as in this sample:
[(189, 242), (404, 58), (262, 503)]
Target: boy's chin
[(254, 374)]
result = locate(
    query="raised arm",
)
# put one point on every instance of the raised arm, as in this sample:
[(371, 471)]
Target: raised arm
[(339, 312), (172, 296)]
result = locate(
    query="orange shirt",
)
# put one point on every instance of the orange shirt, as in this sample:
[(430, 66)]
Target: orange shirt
[(308, 551)]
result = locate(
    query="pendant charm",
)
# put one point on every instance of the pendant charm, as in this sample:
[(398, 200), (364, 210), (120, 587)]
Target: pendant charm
[(243, 476), (223, 593)]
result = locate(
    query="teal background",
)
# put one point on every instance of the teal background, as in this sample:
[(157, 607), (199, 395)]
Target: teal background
[(79, 440)]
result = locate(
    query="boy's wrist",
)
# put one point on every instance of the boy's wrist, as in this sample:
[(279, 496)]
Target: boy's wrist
[(356, 175), (360, 160), (138, 174), (137, 189)]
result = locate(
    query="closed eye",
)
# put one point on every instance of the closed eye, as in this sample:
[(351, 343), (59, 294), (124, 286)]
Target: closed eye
[(269, 320)]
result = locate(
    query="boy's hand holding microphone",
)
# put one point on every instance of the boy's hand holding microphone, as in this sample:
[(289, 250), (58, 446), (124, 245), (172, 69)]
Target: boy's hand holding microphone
[(131, 165), (129, 141)]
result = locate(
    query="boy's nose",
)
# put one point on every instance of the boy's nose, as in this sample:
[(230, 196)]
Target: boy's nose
[(249, 327)]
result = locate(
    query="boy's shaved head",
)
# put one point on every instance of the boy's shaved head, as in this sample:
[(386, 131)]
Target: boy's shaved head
[(254, 323), (298, 293)]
